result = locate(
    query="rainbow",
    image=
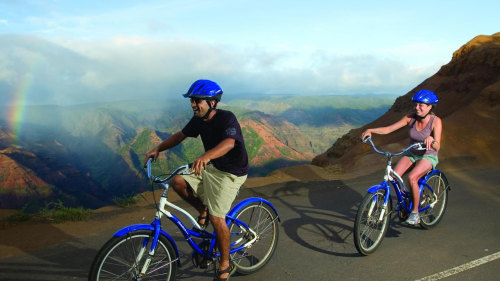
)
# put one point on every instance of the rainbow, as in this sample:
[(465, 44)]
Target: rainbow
[(17, 109)]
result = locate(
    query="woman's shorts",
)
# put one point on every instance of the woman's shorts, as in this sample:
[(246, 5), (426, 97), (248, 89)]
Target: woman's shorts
[(216, 189), (429, 157)]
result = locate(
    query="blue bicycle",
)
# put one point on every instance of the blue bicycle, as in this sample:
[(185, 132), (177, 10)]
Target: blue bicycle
[(148, 252), (372, 219)]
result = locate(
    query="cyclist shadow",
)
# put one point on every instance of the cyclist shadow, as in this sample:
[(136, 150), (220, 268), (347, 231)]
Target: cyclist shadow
[(323, 223)]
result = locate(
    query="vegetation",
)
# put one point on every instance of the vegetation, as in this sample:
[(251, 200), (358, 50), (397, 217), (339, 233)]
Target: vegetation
[(125, 201), (252, 142), (93, 153), (56, 212)]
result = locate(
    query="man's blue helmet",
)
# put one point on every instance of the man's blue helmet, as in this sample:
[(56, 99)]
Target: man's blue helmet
[(204, 89), (425, 96)]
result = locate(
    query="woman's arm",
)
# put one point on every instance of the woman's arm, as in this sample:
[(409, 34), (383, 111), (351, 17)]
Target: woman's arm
[(434, 140), (388, 129)]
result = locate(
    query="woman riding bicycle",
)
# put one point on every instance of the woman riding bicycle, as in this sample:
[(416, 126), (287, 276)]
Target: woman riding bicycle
[(426, 127)]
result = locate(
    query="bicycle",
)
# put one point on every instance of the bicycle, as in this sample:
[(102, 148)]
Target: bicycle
[(372, 218), (148, 252)]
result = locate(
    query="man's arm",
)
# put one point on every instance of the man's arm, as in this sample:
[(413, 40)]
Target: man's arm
[(219, 150), (170, 142)]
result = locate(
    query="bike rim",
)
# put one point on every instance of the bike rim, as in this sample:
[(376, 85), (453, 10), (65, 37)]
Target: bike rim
[(263, 222), (432, 215), (124, 261), (371, 229)]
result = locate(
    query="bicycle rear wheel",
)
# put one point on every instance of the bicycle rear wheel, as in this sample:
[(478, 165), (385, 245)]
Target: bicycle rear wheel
[(264, 222), (371, 225), (437, 200), (122, 258)]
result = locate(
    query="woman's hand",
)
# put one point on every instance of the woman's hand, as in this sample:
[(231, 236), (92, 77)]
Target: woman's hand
[(429, 142), (366, 133)]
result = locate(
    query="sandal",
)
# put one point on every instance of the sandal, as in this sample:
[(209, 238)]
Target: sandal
[(230, 269)]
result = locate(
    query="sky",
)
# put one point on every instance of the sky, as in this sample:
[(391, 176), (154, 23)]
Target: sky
[(69, 52)]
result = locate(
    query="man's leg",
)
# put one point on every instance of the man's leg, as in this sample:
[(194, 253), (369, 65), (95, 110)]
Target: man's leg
[(181, 187), (223, 241)]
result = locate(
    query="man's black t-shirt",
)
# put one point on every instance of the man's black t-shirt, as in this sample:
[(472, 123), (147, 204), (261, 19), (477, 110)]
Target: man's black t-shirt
[(223, 125)]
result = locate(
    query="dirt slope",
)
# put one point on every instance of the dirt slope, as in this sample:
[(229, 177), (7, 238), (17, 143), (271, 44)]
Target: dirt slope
[(469, 91)]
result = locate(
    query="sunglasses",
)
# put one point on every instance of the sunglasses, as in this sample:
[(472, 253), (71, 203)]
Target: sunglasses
[(196, 100)]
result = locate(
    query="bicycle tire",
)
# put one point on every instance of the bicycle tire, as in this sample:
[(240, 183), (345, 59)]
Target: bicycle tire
[(432, 216), (117, 259), (368, 230), (263, 220)]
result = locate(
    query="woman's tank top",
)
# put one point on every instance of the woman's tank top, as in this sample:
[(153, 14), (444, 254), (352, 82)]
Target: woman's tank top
[(419, 136)]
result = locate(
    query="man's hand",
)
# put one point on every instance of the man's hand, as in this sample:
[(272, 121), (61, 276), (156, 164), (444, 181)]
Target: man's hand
[(152, 154), (199, 164)]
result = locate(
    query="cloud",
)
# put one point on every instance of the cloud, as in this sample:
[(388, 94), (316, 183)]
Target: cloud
[(124, 67)]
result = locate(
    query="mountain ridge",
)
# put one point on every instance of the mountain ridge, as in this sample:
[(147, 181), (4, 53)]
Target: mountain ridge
[(468, 88), (102, 145)]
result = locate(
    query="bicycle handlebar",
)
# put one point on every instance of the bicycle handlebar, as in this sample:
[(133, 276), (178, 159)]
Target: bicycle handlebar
[(179, 170), (418, 145)]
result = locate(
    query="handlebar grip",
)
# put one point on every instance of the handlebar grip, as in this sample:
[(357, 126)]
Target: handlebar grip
[(149, 167)]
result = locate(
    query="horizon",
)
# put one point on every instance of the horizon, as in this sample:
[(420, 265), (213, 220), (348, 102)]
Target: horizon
[(66, 53)]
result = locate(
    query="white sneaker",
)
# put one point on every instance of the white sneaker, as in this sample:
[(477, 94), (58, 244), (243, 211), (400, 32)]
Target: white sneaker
[(413, 219)]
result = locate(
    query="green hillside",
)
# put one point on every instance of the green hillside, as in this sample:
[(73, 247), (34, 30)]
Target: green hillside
[(105, 144)]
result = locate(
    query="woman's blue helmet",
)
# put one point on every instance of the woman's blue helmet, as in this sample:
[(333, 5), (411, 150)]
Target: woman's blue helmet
[(425, 96), (204, 89)]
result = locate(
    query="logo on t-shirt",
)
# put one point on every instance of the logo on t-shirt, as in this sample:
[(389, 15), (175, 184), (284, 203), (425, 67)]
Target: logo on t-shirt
[(231, 131)]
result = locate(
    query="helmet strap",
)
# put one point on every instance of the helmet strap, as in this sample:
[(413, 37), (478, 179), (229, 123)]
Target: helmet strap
[(210, 109)]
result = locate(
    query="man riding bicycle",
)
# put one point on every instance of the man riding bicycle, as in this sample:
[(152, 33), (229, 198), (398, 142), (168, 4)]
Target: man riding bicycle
[(219, 172)]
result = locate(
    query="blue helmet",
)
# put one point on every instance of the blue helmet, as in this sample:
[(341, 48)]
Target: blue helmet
[(204, 89), (425, 96)]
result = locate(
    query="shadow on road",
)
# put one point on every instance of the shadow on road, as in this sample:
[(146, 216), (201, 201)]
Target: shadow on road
[(324, 222)]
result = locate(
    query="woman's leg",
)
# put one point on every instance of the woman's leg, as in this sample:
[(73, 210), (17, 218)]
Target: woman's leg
[(403, 165), (420, 169)]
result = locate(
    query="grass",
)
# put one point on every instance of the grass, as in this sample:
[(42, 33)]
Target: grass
[(56, 212), (53, 212), (126, 201)]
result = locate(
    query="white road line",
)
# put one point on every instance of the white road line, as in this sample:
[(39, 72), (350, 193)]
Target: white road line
[(461, 268)]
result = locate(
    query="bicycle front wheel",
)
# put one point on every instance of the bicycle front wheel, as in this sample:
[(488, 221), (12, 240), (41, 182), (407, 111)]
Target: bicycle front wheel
[(371, 223), (436, 201), (123, 258), (261, 219)]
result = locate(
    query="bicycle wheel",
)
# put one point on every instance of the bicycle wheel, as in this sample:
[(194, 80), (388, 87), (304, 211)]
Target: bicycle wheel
[(122, 258), (264, 222), (370, 227), (437, 200)]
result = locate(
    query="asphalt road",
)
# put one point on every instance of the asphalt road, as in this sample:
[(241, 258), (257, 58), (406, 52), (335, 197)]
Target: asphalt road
[(316, 240)]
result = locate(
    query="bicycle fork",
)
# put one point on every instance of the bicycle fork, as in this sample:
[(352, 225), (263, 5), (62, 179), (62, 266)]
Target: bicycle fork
[(372, 206), (147, 262)]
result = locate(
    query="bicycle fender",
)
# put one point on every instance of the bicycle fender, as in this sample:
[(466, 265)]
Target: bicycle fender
[(374, 188), (133, 227), (247, 201), (434, 172)]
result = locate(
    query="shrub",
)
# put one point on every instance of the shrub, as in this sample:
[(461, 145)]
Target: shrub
[(57, 212), (125, 201)]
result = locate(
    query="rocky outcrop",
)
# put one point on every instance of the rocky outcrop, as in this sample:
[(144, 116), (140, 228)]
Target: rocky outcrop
[(468, 88)]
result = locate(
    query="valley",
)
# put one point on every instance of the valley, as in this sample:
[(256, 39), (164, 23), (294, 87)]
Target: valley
[(89, 154)]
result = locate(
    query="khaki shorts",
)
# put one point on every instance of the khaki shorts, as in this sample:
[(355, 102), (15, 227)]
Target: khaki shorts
[(216, 189), (429, 157)]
